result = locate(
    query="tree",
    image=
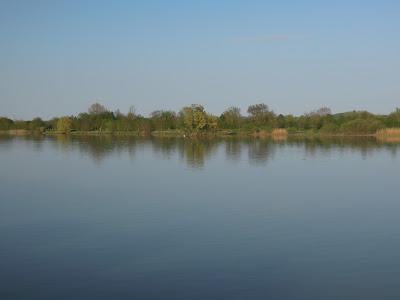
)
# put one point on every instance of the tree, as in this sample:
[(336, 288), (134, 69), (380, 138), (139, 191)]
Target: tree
[(96, 109), (317, 118), (6, 124), (320, 112), (259, 113), (280, 121), (232, 117), (362, 126), (395, 114), (131, 113), (64, 124), (194, 117), (324, 111), (163, 119), (37, 124), (393, 119)]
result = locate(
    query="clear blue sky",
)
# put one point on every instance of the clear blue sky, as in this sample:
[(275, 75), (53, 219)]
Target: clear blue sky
[(58, 57)]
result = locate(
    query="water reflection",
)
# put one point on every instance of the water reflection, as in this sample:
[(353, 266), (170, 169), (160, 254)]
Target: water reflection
[(260, 150), (252, 218), (314, 146), (233, 149), (196, 152)]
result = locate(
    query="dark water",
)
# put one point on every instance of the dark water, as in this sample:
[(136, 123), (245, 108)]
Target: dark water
[(104, 218)]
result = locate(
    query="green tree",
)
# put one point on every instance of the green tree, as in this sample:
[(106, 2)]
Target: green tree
[(163, 120), (393, 119), (37, 124), (194, 117), (64, 124), (260, 114), (6, 124), (362, 126), (231, 118)]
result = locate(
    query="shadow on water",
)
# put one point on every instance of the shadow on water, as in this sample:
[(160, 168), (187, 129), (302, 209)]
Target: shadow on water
[(195, 152)]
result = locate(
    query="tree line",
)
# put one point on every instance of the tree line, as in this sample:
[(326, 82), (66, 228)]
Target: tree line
[(194, 118)]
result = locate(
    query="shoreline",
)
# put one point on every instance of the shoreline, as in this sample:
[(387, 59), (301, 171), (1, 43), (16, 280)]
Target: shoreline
[(182, 134)]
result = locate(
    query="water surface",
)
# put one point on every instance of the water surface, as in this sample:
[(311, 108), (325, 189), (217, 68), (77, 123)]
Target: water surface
[(126, 218)]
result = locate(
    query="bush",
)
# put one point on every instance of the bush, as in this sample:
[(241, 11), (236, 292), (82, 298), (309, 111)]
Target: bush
[(362, 126), (330, 128), (6, 124)]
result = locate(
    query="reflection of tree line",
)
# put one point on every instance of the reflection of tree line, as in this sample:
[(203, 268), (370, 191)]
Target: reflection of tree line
[(193, 151), (196, 151), (364, 145), (97, 147)]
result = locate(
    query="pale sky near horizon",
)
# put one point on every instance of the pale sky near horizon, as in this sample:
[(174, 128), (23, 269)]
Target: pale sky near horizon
[(58, 57)]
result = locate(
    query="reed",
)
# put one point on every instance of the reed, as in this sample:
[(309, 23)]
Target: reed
[(388, 135), (279, 132), (18, 132), (388, 132), (261, 134)]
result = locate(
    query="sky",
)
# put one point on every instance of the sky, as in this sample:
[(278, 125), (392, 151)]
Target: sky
[(59, 57)]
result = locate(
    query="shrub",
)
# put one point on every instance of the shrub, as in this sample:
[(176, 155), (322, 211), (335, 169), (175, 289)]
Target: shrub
[(361, 126), (330, 128)]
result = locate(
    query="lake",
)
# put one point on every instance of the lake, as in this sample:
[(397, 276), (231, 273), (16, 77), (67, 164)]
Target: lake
[(174, 218)]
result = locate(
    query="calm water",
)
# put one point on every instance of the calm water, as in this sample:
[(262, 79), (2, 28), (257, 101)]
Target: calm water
[(103, 218)]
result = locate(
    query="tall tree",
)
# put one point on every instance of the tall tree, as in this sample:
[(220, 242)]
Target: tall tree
[(131, 113), (232, 117), (96, 109), (259, 113)]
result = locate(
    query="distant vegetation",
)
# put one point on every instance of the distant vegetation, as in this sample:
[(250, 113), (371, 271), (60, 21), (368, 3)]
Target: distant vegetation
[(194, 119)]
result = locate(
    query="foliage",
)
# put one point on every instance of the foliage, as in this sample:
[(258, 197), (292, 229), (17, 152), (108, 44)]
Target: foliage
[(195, 119), (163, 120), (260, 114), (393, 119), (64, 124), (231, 118), (362, 126), (330, 128), (96, 109), (6, 124), (37, 124)]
